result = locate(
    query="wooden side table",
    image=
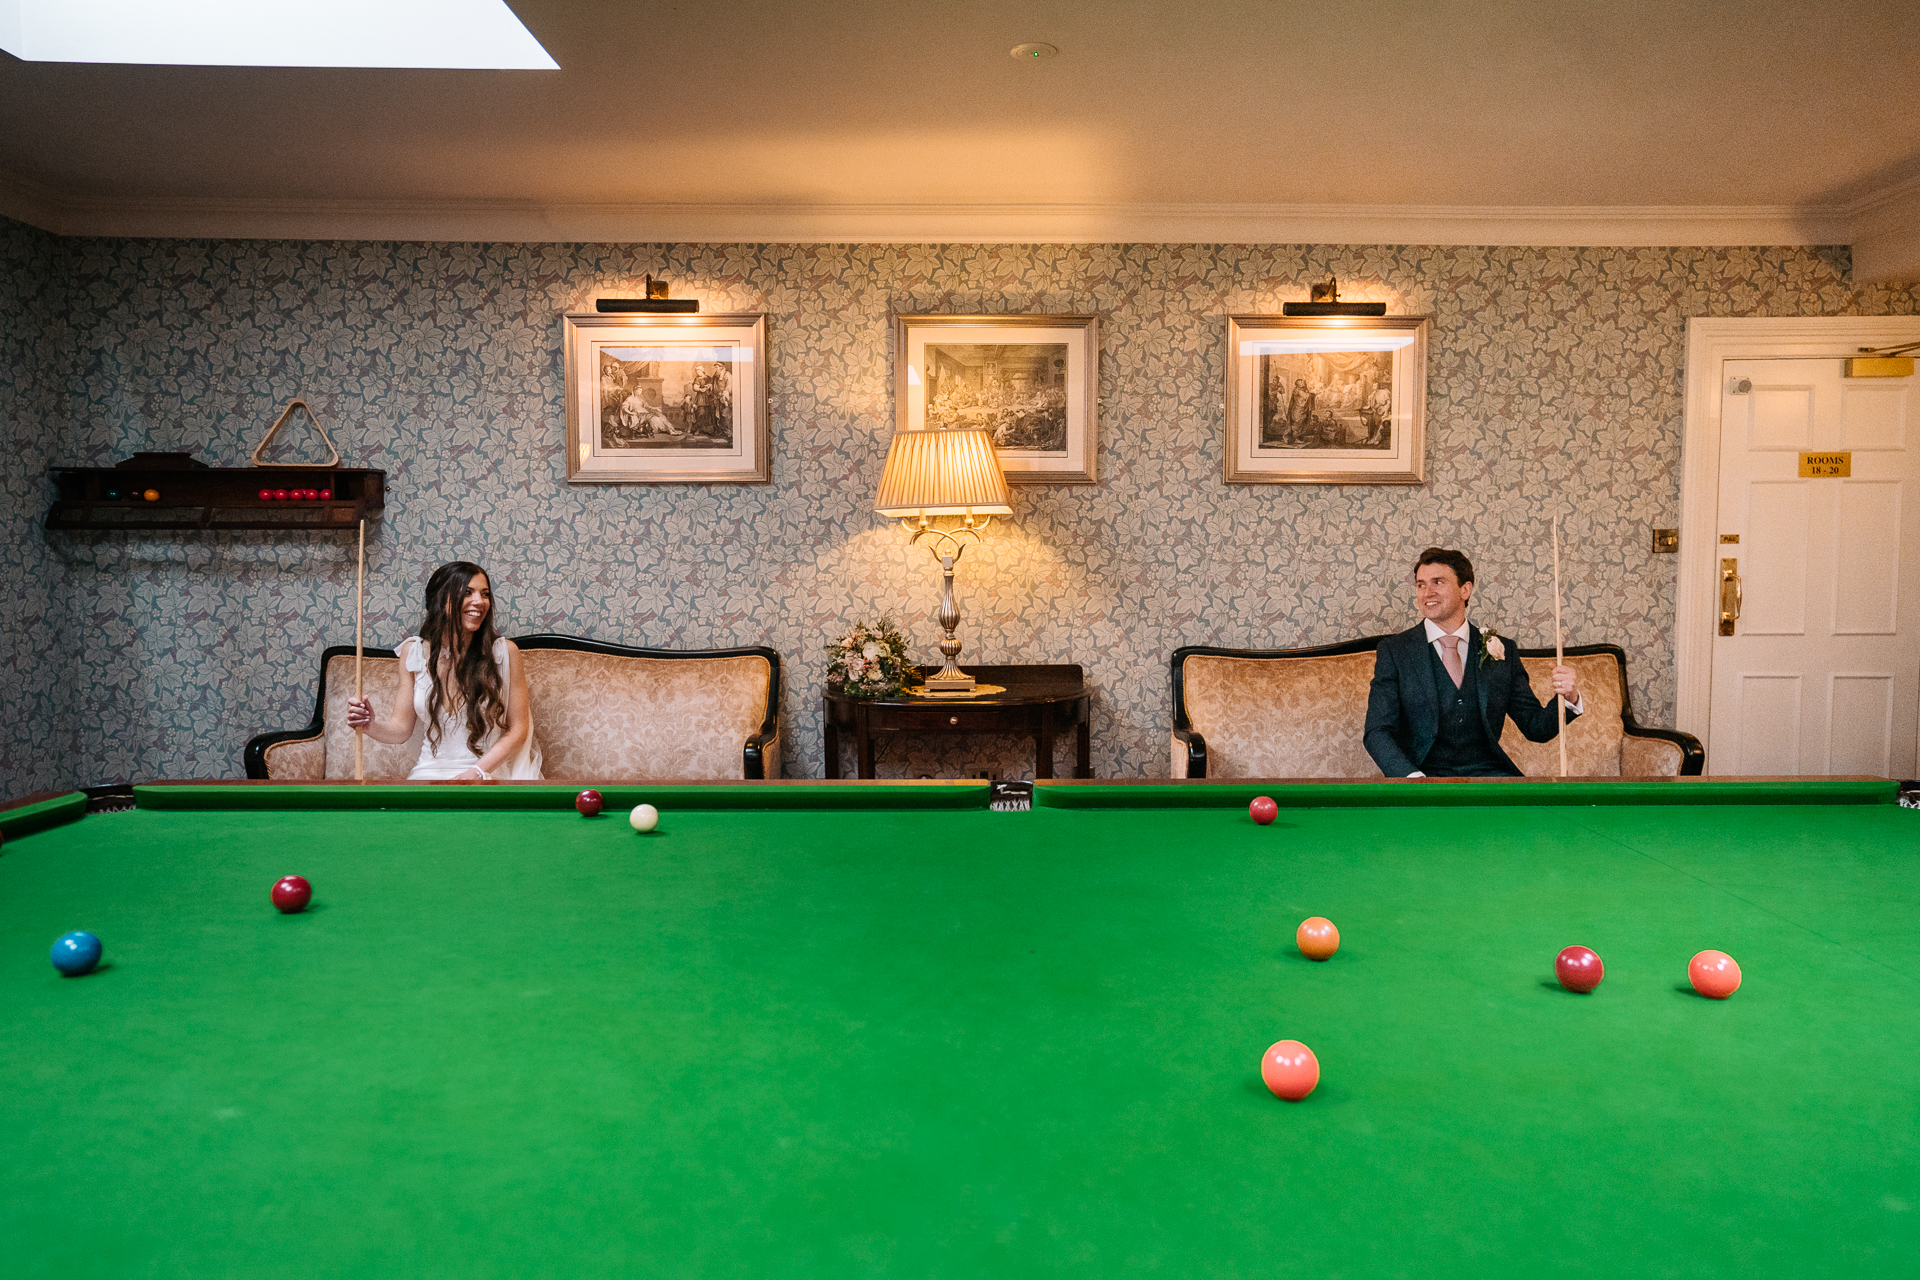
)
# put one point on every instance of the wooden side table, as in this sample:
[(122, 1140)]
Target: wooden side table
[(1040, 701)]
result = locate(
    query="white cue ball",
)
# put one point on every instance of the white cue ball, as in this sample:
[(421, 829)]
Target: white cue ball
[(644, 817)]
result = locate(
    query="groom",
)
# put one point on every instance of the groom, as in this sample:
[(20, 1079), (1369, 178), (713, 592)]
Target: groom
[(1442, 693)]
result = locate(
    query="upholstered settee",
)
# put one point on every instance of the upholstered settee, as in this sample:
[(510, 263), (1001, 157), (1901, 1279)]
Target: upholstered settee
[(1300, 713), (601, 712)]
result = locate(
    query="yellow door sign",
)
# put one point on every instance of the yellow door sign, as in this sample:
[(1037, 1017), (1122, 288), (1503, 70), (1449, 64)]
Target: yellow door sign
[(1826, 465)]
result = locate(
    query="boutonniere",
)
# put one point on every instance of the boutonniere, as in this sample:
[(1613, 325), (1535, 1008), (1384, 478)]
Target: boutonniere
[(1492, 646)]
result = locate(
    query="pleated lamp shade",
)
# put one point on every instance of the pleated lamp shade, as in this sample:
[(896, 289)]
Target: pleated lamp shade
[(943, 473)]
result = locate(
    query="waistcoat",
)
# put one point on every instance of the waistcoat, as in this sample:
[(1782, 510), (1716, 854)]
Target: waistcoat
[(1462, 746)]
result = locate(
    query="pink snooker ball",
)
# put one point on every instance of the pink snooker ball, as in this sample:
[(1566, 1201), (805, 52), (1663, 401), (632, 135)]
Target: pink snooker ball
[(1290, 1070), (1714, 974), (1263, 810)]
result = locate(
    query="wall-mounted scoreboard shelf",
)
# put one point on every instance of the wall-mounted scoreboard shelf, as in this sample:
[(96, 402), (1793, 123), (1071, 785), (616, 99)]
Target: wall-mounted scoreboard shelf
[(186, 494)]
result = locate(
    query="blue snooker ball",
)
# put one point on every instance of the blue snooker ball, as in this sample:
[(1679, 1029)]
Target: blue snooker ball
[(76, 953)]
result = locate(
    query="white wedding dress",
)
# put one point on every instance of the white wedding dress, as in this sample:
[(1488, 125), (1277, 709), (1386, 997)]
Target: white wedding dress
[(452, 758)]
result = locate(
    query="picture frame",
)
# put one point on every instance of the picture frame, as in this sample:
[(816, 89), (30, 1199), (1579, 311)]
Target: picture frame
[(667, 399), (1032, 380), (1326, 399)]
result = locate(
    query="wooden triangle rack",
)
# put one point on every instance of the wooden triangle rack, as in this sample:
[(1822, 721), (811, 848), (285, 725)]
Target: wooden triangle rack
[(333, 454)]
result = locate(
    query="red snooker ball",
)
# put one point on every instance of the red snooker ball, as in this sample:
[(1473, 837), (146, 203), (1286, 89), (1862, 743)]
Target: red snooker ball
[(1714, 974), (292, 893), (1290, 1070), (589, 803), (1579, 969), (266, 495), (326, 495), (1263, 810), (279, 495)]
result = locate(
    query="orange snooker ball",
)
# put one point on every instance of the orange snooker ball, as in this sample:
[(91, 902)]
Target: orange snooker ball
[(1714, 974), (1317, 938), (1290, 1070)]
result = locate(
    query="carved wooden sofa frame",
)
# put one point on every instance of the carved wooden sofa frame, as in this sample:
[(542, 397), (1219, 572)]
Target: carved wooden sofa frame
[(1641, 751), (755, 753)]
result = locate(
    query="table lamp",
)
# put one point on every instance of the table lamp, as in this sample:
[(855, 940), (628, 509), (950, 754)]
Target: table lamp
[(930, 474)]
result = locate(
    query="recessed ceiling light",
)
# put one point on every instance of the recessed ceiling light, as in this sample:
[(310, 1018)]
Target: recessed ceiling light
[(1033, 52), (468, 34)]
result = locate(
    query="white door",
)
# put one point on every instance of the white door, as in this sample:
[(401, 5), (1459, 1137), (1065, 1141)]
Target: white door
[(1821, 674)]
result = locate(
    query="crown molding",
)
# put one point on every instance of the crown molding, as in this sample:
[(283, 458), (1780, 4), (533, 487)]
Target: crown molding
[(1899, 193), (33, 203), (1886, 234), (535, 222)]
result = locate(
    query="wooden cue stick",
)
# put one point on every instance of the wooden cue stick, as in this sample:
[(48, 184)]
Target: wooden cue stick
[(1559, 649), (359, 651)]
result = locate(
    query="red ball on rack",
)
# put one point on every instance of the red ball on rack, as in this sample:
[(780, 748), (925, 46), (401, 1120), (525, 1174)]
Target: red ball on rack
[(326, 495), (279, 495), (266, 495)]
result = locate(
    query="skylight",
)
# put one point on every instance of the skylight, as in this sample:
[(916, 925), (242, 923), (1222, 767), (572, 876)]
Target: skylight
[(471, 34)]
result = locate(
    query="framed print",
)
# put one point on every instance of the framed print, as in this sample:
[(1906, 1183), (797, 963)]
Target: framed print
[(1326, 399), (667, 399), (1033, 381)]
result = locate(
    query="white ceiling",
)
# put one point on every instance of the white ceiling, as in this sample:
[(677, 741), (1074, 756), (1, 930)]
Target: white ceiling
[(1505, 121)]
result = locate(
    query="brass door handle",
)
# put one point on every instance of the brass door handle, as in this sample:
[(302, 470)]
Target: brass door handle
[(1730, 595)]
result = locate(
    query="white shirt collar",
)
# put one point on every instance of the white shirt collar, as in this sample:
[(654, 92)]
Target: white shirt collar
[(1435, 631)]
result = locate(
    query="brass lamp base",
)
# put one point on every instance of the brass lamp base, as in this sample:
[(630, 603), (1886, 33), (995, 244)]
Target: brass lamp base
[(950, 678)]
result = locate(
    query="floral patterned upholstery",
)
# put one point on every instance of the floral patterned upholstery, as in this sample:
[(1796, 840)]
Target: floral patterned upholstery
[(596, 716), (1279, 717), (330, 753), (607, 716), (1593, 739), (1302, 716)]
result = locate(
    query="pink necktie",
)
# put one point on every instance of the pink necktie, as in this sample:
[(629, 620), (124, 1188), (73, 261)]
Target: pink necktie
[(1450, 659)]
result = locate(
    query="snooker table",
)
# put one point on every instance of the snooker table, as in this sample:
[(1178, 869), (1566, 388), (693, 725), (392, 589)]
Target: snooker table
[(878, 1029)]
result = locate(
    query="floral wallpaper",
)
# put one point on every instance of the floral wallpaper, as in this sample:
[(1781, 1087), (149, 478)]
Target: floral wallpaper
[(1554, 386), (38, 702)]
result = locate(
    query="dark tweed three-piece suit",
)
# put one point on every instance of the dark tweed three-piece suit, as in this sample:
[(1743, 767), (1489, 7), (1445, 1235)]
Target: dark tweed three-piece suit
[(1418, 720)]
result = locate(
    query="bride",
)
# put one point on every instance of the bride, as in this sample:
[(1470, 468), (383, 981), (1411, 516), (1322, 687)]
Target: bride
[(473, 695)]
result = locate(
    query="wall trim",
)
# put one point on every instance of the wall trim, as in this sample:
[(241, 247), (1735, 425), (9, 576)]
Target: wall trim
[(1710, 343), (538, 222)]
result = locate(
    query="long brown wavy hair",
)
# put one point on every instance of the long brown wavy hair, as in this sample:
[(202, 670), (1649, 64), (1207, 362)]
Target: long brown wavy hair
[(475, 676)]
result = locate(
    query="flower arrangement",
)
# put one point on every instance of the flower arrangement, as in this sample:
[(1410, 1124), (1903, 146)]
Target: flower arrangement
[(870, 661)]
